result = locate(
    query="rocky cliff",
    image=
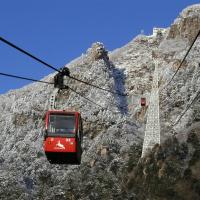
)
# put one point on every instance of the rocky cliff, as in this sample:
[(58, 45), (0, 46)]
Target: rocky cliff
[(111, 167)]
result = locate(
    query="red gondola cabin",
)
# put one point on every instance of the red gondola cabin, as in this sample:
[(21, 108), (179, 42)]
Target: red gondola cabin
[(143, 101), (63, 137)]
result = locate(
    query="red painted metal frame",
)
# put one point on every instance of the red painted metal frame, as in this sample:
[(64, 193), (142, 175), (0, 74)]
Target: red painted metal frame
[(143, 101), (60, 144)]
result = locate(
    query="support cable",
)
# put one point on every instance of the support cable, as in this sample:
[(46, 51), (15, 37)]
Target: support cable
[(28, 54), (91, 100), (76, 79), (184, 58), (188, 106), (50, 66), (34, 80), (24, 78)]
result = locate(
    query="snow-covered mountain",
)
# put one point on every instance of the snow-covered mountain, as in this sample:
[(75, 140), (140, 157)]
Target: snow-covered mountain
[(111, 167)]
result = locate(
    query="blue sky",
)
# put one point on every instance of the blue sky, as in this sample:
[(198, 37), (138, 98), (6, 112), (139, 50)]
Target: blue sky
[(59, 31)]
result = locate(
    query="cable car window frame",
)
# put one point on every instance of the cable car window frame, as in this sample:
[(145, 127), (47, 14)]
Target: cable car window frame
[(55, 133), (80, 129)]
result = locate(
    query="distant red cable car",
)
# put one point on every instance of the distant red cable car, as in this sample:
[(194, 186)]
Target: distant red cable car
[(63, 137), (143, 101)]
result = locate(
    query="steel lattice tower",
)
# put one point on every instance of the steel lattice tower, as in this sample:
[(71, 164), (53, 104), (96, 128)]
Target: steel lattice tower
[(152, 131)]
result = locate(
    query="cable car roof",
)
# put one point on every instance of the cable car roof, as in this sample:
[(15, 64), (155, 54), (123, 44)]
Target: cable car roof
[(63, 111)]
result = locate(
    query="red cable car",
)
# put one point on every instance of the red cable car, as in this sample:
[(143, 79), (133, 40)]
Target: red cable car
[(143, 101), (63, 137)]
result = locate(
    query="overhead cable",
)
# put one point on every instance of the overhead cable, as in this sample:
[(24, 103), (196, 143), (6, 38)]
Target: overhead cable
[(188, 106), (184, 58), (28, 54), (24, 78), (50, 66), (121, 94), (34, 80), (90, 100)]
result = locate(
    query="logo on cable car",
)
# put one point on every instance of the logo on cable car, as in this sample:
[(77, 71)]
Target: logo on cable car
[(59, 145)]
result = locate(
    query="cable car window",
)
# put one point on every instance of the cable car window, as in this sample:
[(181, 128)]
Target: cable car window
[(61, 124)]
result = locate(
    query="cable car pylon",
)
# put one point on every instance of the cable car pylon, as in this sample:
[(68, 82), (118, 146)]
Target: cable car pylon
[(152, 131)]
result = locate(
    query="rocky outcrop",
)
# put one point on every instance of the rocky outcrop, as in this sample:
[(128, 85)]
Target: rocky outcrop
[(169, 171), (187, 24), (98, 51)]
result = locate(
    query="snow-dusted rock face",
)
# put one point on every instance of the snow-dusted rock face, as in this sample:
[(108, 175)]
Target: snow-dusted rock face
[(187, 24), (113, 134)]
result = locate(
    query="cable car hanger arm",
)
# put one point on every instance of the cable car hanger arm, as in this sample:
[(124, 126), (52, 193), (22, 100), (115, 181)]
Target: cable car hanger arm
[(64, 87)]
